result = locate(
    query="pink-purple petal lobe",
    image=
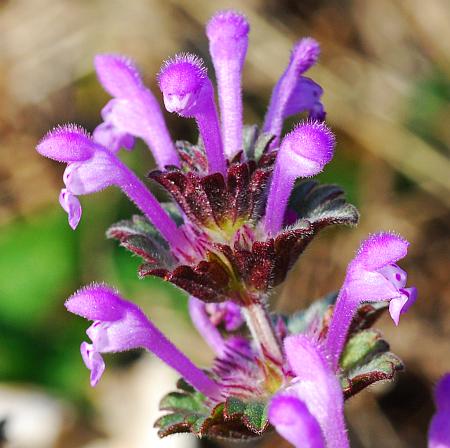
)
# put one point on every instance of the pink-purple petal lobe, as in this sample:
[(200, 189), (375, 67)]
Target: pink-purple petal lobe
[(396, 275), (312, 140), (108, 134), (366, 286), (72, 207), (203, 324), (380, 250), (318, 387), (118, 75), (227, 32), (93, 361), (183, 80), (228, 41), (295, 423), (305, 97), (68, 143), (96, 302), (305, 54), (401, 304), (439, 430), (93, 175), (112, 138)]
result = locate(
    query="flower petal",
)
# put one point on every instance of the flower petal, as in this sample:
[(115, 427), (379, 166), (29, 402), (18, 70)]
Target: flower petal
[(396, 275), (68, 143), (439, 431), (371, 276), (108, 134), (305, 97), (295, 423), (204, 326), (304, 54), (118, 75), (379, 251), (120, 325), (93, 361), (366, 286), (318, 387), (72, 206), (96, 302), (442, 393), (93, 175), (401, 304)]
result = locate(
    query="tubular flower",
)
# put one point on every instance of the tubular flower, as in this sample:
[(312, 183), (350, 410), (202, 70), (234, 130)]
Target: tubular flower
[(293, 93), (439, 431), (242, 210), (303, 153), (372, 276), (228, 40), (120, 325), (189, 92), (134, 109), (313, 401), (91, 168)]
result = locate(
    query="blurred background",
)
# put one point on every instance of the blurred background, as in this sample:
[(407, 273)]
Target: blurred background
[(385, 69)]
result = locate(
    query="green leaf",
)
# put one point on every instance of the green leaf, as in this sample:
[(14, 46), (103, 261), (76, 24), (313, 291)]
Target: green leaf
[(249, 136), (234, 407), (139, 236), (179, 401), (233, 419), (262, 144), (361, 347), (366, 360), (381, 367), (255, 417), (171, 424)]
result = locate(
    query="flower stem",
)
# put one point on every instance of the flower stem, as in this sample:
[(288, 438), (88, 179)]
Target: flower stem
[(263, 333)]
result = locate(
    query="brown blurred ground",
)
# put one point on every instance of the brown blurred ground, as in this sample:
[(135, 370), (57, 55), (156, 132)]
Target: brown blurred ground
[(379, 59)]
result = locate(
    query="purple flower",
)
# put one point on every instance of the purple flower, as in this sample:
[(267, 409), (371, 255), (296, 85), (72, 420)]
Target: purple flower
[(71, 205), (295, 423), (226, 313), (228, 40), (203, 324), (120, 325), (229, 241), (109, 135), (292, 90), (188, 91), (208, 316), (310, 411), (371, 276), (133, 111), (303, 153), (91, 168), (439, 431)]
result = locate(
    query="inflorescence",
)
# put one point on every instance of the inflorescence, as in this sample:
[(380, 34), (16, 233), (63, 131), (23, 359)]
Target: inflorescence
[(243, 210)]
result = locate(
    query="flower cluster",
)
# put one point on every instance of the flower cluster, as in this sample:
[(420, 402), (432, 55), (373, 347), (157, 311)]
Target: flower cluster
[(243, 210)]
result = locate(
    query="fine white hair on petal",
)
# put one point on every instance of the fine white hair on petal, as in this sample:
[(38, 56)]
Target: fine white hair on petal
[(184, 57)]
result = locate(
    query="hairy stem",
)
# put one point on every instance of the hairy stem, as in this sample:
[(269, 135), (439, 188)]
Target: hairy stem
[(263, 333)]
